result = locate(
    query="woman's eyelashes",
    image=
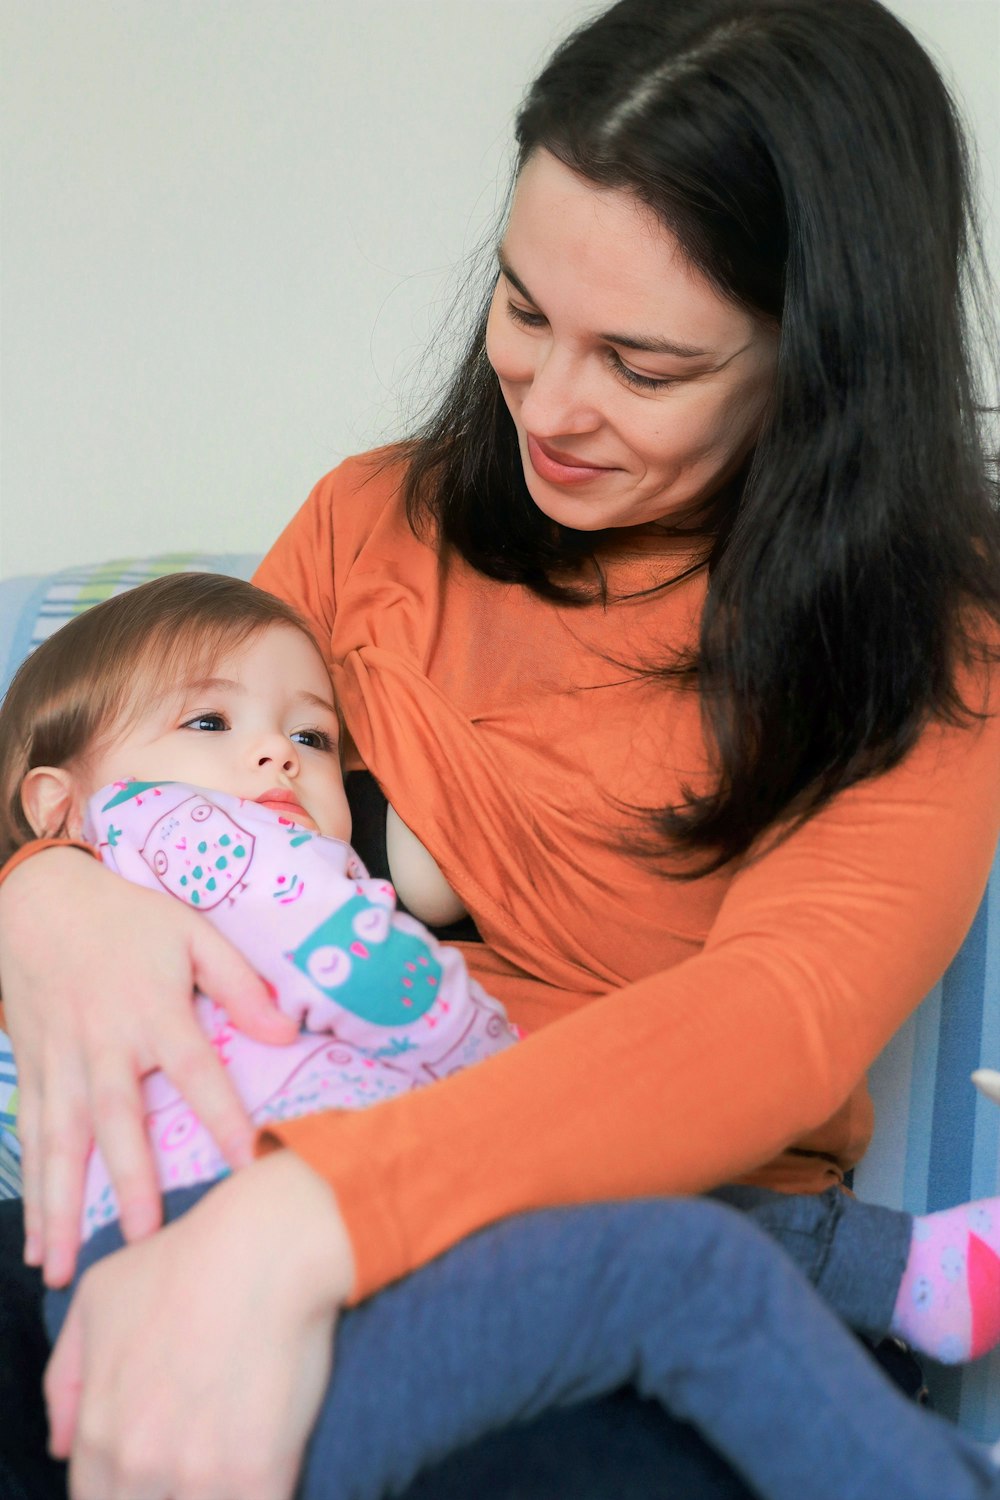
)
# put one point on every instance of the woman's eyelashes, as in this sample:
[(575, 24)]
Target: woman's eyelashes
[(637, 381), (523, 316), (526, 319)]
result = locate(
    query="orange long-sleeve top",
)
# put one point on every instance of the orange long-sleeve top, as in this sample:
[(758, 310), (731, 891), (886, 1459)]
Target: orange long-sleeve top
[(680, 1035)]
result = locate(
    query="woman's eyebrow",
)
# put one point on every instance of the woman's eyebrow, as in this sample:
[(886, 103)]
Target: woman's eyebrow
[(647, 345)]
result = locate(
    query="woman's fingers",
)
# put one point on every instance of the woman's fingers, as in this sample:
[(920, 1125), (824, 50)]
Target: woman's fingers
[(220, 971), (29, 1131), (65, 1140), (192, 1364), (63, 1383), (116, 1108), (89, 1020), (194, 1069)]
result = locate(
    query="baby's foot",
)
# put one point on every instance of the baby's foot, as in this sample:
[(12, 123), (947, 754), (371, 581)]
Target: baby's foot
[(949, 1298)]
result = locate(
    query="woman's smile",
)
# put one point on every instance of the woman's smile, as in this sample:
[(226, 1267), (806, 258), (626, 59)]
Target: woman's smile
[(560, 468)]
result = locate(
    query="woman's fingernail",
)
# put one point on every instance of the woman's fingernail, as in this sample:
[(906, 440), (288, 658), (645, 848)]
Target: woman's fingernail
[(33, 1250)]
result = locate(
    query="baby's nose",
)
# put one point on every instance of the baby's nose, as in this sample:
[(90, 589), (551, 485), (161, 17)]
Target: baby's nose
[(287, 763)]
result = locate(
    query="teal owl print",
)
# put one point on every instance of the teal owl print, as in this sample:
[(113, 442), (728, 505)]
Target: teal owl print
[(199, 853), (377, 972)]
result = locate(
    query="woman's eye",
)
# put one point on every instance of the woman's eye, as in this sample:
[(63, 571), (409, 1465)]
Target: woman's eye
[(206, 722), (313, 739), (634, 379), (522, 316)]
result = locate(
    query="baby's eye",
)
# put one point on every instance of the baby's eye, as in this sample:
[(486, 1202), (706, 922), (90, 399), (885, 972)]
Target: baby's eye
[(313, 739), (209, 722)]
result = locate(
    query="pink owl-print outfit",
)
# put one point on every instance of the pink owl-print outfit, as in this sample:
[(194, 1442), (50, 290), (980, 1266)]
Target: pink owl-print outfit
[(381, 1005)]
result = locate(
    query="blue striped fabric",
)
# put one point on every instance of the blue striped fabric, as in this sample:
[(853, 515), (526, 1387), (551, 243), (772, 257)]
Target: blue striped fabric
[(10, 1151), (938, 1140), (32, 608)]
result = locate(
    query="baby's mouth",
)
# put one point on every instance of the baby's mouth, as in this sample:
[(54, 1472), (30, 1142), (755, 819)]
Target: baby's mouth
[(286, 805)]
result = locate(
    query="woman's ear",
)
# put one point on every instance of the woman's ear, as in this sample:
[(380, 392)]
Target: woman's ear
[(50, 803)]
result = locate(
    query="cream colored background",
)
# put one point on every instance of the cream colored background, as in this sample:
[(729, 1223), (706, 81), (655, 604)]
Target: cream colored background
[(229, 228)]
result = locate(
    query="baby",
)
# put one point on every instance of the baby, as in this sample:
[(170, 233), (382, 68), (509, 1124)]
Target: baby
[(187, 733)]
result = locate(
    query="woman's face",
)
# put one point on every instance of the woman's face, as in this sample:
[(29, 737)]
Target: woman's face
[(636, 388)]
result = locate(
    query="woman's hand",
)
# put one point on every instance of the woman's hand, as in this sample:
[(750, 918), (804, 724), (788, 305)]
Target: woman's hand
[(191, 1366), (97, 979)]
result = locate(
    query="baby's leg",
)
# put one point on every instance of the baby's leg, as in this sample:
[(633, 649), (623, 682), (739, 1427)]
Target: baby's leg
[(854, 1253), (684, 1300), (933, 1280)]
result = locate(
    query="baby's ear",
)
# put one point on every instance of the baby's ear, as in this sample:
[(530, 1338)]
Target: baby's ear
[(50, 802)]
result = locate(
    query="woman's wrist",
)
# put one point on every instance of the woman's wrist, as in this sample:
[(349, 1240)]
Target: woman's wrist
[(292, 1195)]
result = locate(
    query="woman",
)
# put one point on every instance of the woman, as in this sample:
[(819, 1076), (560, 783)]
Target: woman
[(669, 642)]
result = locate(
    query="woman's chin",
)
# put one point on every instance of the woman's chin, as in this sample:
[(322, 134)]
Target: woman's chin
[(574, 511)]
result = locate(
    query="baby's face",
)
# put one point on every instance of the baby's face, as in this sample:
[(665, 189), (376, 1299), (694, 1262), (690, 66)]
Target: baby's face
[(261, 726)]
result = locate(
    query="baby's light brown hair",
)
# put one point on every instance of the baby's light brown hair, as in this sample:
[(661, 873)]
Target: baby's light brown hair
[(92, 677)]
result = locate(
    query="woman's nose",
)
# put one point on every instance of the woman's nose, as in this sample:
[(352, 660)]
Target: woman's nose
[(555, 402)]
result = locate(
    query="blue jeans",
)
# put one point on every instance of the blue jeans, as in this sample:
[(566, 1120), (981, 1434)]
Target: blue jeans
[(686, 1301)]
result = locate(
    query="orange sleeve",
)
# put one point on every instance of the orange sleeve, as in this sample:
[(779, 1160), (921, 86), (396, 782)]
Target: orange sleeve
[(37, 846), (701, 1074), (299, 567)]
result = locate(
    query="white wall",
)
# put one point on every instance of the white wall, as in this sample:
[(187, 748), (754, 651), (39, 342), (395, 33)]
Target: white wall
[(228, 228)]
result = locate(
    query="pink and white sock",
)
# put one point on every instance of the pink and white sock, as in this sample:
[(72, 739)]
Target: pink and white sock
[(948, 1305)]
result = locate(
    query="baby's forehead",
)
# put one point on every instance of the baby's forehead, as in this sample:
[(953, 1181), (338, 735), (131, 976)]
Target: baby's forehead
[(231, 666)]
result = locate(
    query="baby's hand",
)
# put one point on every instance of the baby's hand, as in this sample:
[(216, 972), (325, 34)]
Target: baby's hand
[(987, 1081)]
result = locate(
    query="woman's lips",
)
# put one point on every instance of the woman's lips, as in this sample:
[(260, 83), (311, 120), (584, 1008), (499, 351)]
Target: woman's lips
[(560, 468)]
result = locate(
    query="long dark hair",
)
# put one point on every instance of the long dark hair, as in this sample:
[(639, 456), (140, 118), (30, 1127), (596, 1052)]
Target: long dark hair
[(808, 158)]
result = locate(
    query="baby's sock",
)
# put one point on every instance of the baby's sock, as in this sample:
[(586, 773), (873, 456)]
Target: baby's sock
[(949, 1298)]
